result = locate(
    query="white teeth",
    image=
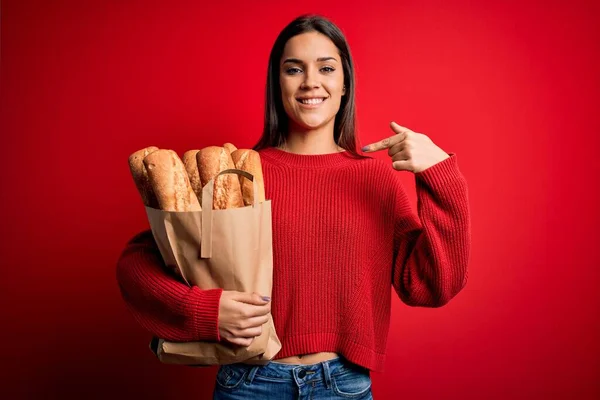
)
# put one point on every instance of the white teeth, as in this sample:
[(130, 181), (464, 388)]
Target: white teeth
[(312, 101)]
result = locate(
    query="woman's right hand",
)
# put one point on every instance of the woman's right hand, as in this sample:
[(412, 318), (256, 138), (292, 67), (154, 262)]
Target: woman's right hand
[(241, 316)]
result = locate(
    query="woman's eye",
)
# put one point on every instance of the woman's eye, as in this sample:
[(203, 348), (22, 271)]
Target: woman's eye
[(296, 70)]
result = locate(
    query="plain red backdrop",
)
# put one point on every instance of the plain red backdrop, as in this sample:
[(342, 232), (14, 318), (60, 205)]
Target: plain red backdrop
[(512, 87)]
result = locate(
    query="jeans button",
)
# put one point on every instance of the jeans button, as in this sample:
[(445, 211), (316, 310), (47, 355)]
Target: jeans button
[(301, 374)]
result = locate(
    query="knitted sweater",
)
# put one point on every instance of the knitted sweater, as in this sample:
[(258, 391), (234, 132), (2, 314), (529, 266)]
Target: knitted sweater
[(344, 234)]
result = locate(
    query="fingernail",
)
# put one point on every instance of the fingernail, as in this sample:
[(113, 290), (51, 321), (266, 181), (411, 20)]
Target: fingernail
[(266, 298), (365, 148)]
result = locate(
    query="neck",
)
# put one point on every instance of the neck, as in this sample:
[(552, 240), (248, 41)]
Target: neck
[(311, 141)]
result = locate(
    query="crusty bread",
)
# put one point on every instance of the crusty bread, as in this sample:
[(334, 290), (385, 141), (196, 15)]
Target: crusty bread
[(230, 147), (140, 176), (249, 161), (191, 167), (227, 192), (170, 181)]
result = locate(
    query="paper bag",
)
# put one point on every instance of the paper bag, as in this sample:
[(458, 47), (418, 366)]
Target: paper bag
[(230, 249)]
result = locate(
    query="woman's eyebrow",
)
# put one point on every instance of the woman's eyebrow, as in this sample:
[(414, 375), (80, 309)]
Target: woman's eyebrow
[(297, 61)]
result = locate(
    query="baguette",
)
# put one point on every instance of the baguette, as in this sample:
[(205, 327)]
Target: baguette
[(170, 181), (140, 176), (230, 147), (249, 161), (227, 192), (191, 167)]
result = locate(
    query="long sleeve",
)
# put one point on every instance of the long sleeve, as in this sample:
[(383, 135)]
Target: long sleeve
[(160, 303), (432, 249)]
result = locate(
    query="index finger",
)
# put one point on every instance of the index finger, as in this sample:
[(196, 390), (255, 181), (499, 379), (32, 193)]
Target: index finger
[(385, 143)]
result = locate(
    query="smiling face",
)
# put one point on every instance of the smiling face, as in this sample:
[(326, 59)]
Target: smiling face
[(312, 81)]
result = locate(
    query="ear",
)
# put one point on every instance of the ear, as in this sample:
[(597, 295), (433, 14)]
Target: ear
[(344, 90)]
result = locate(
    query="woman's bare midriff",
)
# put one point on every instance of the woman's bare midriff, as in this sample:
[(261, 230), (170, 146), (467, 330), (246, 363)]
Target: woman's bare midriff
[(306, 359)]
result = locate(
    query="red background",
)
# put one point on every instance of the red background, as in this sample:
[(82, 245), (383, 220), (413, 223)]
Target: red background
[(512, 87)]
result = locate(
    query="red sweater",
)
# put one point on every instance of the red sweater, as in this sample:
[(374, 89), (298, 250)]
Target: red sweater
[(344, 234)]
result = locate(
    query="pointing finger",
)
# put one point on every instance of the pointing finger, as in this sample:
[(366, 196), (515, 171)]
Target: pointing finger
[(385, 143)]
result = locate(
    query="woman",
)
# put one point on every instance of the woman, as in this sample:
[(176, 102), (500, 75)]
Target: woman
[(343, 230)]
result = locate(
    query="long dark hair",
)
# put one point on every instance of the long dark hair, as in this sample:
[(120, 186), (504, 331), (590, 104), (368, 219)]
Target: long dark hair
[(276, 120)]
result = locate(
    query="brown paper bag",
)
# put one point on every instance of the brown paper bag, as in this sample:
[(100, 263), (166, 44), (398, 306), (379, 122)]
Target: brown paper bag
[(230, 249)]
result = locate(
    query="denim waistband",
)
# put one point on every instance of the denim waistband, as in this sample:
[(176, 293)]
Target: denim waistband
[(302, 373)]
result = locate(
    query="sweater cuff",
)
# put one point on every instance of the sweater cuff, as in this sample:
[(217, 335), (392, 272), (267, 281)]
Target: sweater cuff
[(442, 173), (205, 308)]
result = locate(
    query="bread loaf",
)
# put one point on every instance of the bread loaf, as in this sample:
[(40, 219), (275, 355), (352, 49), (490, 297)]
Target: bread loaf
[(227, 192), (170, 181), (230, 147), (191, 167), (140, 176), (249, 161)]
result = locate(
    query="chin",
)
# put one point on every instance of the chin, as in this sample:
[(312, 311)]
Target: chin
[(311, 126), (311, 123)]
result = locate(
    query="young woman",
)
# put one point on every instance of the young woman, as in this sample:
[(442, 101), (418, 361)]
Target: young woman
[(344, 234)]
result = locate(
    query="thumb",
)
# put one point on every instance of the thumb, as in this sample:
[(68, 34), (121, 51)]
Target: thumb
[(254, 298)]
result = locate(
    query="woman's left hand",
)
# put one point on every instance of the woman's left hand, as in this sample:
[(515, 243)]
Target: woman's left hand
[(410, 151)]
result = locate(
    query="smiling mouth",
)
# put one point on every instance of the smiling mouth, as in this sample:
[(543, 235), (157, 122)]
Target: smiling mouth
[(312, 101)]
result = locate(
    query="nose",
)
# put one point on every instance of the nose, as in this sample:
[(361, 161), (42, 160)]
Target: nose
[(311, 79)]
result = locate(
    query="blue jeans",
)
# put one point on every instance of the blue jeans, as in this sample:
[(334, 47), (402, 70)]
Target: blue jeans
[(333, 379)]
